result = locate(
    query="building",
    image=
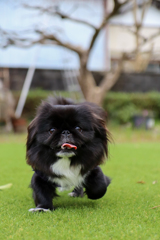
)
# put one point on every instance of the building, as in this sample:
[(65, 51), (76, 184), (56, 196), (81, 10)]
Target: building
[(50, 61)]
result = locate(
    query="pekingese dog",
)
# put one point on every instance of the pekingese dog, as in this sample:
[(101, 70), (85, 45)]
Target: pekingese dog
[(66, 143)]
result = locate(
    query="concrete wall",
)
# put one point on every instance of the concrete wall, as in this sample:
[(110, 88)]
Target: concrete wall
[(137, 82), (53, 80), (44, 79)]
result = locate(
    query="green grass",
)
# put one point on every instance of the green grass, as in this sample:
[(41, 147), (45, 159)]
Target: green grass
[(123, 213)]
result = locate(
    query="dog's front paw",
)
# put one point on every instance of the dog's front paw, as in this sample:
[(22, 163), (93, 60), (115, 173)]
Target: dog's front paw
[(37, 209), (73, 194), (77, 192)]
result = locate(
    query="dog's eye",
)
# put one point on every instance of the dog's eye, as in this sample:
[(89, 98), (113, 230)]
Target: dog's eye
[(51, 130), (78, 129)]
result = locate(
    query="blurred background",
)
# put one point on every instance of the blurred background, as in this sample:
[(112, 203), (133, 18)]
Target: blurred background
[(105, 51)]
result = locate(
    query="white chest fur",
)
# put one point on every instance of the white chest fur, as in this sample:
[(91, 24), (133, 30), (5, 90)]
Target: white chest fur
[(70, 175)]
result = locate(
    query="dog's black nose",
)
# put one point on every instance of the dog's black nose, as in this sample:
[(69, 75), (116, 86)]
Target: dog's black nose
[(66, 132)]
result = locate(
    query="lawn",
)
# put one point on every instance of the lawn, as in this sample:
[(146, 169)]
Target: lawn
[(125, 212)]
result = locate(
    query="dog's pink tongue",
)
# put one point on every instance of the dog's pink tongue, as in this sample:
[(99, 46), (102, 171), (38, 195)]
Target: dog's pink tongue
[(68, 145)]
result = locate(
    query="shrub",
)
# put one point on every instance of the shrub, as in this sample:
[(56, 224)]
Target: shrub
[(121, 107), (35, 97), (33, 100)]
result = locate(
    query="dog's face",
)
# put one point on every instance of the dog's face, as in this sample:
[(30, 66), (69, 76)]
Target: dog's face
[(67, 130), (62, 125)]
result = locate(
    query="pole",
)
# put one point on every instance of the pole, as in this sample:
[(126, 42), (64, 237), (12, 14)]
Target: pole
[(26, 86)]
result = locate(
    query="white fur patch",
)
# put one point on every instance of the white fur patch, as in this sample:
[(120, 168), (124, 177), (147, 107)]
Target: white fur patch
[(72, 194), (65, 154), (71, 175), (38, 210)]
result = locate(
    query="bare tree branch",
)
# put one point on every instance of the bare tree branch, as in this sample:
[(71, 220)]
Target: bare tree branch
[(54, 11), (86, 80), (111, 78), (145, 41), (53, 37), (145, 6), (13, 39), (134, 32), (138, 22), (64, 16), (135, 7), (45, 37), (116, 3), (114, 12), (149, 39)]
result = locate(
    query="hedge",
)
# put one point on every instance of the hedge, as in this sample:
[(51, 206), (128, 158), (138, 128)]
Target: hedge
[(120, 107), (123, 106), (34, 98)]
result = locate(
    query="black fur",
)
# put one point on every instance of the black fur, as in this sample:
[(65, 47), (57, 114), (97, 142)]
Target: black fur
[(60, 121)]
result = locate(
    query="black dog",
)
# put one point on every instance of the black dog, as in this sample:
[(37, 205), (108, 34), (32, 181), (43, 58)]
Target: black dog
[(66, 143)]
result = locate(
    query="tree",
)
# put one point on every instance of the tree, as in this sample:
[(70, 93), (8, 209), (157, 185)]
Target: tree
[(91, 91)]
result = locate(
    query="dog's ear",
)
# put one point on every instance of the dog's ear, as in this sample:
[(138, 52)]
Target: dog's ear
[(99, 124), (32, 130), (101, 130), (99, 119)]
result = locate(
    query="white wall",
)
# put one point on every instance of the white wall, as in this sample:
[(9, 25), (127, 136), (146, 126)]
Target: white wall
[(121, 40)]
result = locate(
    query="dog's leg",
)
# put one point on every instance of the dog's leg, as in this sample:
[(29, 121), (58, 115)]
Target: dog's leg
[(43, 193), (77, 192), (96, 184)]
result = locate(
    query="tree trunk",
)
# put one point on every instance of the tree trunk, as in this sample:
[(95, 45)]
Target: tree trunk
[(91, 91)]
